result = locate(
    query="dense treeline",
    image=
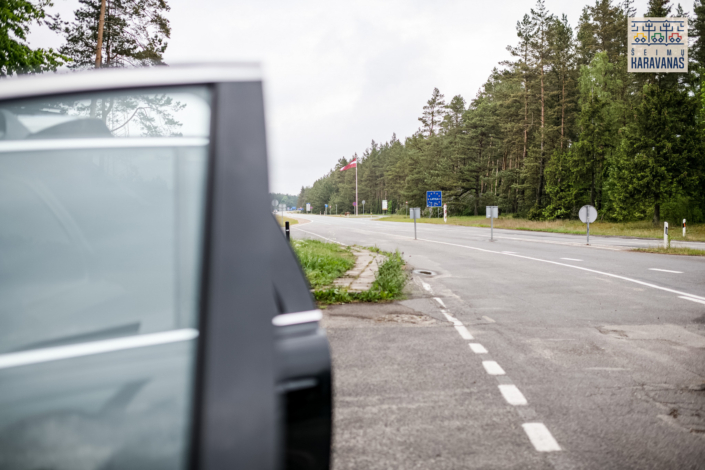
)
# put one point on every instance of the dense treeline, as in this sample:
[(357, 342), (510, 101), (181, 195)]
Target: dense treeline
[(560, 125)]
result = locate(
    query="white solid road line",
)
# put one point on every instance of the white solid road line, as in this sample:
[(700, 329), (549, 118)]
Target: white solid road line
[(317, 235), (665, 270), (616, 276), (541, 437), (572, 259), (512, 394), (440, 302), (464, 333), (492, 368), (488, 319), (691, 299), (477, 348)]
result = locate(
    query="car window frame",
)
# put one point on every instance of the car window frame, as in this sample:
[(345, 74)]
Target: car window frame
[(236, 416)]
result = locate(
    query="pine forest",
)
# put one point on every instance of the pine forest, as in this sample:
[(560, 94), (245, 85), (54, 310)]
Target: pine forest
[(560, 125)]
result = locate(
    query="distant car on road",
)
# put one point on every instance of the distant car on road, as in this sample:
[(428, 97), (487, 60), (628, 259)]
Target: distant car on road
[(152, 315)]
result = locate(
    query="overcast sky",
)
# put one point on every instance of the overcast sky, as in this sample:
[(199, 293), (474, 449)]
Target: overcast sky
[(340, 74)]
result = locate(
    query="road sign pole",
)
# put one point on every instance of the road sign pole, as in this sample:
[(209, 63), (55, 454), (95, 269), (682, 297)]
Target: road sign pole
[(492, 227), (588, 231)]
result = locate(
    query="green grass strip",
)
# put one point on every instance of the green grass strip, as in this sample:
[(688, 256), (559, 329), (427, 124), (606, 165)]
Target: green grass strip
[(683, 251)]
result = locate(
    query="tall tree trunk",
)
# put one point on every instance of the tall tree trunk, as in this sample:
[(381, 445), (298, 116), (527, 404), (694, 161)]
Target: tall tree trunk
[(563, 111), (543, 137), (99, 43), (657, 214)]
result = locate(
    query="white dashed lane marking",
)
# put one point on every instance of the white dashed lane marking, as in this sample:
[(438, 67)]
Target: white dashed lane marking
[(512, 394), (492, 368), (452, 319), (464, 333), (440, 302), (541, 437), (477, 348), (665, 270), (488, 319), (572, 259)]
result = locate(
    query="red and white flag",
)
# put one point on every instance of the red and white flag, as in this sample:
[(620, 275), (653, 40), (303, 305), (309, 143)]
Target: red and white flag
[(352, 164)]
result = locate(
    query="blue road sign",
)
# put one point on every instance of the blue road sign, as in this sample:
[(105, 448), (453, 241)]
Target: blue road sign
[(434, 199), (326, 205)]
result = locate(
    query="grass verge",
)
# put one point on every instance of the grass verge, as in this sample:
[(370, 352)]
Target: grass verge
[(672, 251), (642, 229), (286, 219), (324, 262), (389, 285)]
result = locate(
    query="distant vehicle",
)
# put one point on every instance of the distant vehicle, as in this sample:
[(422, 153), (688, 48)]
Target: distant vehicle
[(657, 37), (153, 315), (675, 37), (640, 37)]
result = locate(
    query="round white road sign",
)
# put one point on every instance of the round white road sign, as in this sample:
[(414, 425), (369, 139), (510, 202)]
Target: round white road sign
[(587, 213), (275, 203)]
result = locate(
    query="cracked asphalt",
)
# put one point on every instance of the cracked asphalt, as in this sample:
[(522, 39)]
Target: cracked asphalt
[(604, 347)]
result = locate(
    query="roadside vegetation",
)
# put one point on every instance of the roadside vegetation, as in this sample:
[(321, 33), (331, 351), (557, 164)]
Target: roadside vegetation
[(672, 251), (560, 124), (324, 262), (643, 229), (286, 219)]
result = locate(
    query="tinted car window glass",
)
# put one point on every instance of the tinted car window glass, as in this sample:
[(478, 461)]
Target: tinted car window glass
[(101, 207)]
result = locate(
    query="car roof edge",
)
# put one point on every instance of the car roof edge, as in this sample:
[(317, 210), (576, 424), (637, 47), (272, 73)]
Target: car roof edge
[(26, 86)]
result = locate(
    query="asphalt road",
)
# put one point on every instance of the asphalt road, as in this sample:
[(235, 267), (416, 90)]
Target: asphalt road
[(532, 351)]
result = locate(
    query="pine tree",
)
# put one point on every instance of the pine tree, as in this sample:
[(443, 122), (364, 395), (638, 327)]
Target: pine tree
[(135, 33), (658, 153), (697, 31), (433, 113)]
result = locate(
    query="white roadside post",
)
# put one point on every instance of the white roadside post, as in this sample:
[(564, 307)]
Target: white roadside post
[(363, 207), (665, 234), (415, 214), (490, 213), (587, 214), (445, 212), (683, 228)]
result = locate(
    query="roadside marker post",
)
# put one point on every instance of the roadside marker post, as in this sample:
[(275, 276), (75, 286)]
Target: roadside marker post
[(665, 235), (490, 213), (287, 230), (683, 228), (587, 215), (415, 214), (445, 213)]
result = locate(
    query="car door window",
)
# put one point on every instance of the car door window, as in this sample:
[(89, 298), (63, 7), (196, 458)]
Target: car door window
[(102, 199)]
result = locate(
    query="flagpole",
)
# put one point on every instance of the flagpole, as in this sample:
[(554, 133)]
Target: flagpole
[(357, 204)]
